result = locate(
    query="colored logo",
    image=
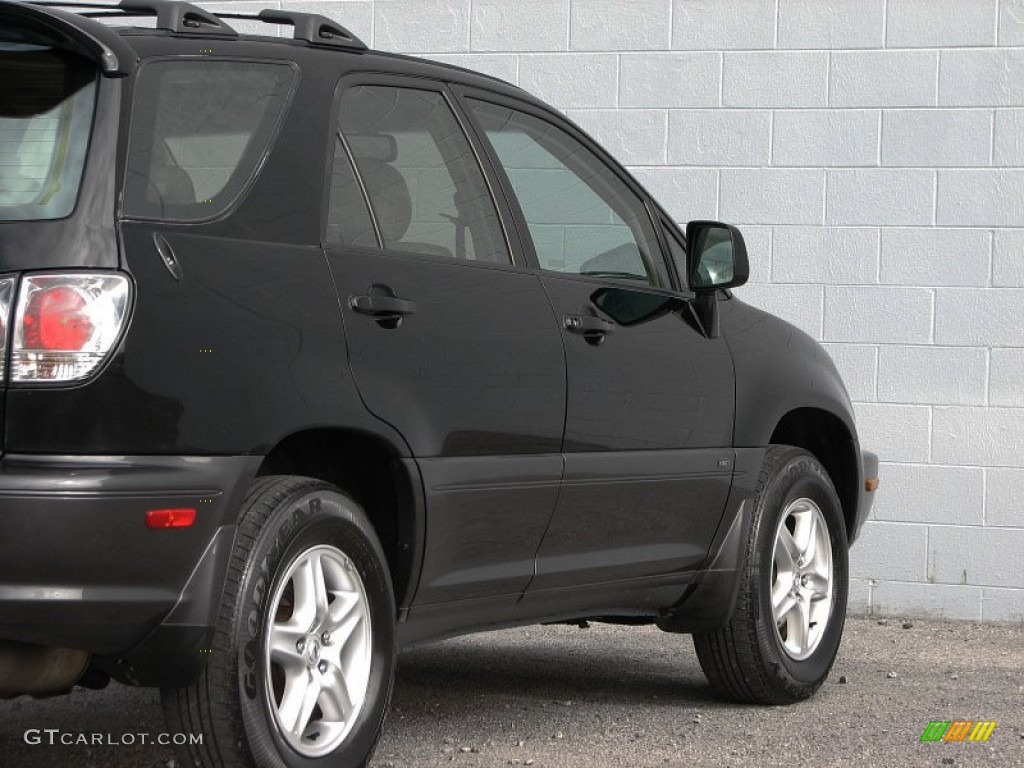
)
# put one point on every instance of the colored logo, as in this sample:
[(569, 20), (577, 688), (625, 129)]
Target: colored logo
[(958, 730)]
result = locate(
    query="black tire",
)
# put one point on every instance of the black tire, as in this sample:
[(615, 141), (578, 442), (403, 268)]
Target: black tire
[(746, 660), (229, 704)]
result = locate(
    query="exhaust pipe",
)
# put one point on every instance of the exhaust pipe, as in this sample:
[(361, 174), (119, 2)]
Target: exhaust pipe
[(37, 669)]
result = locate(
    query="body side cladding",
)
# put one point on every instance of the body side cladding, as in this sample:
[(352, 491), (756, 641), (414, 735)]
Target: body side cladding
[(709, 601)]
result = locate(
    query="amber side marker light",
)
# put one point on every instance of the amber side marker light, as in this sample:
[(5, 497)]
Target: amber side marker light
[(871, 484), (170, 518)]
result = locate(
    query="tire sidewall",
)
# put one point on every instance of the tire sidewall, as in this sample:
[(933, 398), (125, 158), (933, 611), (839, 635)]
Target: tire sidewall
[(311, 517), (800, 477)]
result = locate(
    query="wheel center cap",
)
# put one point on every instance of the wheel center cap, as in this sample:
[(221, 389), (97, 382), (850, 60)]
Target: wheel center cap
[(311, 653)]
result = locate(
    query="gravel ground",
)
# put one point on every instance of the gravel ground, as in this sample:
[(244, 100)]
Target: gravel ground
[(563, 697)]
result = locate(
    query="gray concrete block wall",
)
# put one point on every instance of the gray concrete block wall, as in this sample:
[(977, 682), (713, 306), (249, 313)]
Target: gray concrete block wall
[(874, 153)]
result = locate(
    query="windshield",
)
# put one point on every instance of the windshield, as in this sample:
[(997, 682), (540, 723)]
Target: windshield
[(46, 106)]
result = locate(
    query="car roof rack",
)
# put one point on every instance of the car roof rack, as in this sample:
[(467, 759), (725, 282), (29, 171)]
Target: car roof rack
[(171, 15), (311, 27), (184, 18)]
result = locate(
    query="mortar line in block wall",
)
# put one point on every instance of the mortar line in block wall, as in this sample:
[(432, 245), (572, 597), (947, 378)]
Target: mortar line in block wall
[(824, 200), (984, 497), (828, 80), (881, 137), (931, 432), (721, 78), (992, 140), (618, 90), (990, 279), (671, 23), (568, 31), (988, 375), (927, 558), (775, 33), (878, 363), (931, 328)]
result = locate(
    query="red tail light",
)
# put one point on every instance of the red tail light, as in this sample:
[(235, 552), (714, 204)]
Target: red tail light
[(66, 324), (55, 319)]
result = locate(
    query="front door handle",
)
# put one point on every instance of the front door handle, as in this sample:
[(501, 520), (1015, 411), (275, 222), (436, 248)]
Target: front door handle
[(593, 329), (387, 310)]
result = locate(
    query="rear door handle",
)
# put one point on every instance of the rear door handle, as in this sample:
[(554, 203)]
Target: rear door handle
[(592, 329), (382, 306), (386, 309)]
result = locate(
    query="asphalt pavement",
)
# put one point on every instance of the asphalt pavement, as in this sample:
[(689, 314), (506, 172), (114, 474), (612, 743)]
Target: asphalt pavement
[(564, 697)]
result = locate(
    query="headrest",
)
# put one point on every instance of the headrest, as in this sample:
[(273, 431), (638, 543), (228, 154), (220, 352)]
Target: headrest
[(390, 197)]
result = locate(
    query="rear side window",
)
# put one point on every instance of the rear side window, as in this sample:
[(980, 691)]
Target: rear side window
[(419, 173), (200, 129), (47, 98)]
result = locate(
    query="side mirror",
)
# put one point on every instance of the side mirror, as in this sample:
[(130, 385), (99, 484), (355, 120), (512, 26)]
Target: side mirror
[(716, 256)]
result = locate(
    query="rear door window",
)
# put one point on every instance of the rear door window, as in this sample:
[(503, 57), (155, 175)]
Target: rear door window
[(47, 99), (200, 129), (418, 170)]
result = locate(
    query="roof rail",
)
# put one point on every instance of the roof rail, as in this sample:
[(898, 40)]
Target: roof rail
[(183, 17), (171, 15), (177, 16), (311, 27)]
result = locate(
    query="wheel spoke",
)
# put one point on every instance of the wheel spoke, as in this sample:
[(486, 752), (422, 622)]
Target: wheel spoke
[(296, 688), (804, 534), (798, 628), (818, 586), (782, 607), (320, 589), (343, 631), (780, 589), (284, 638), (337, 700), (344, 604), (810, 549), (304, 581), (305, 714), (819, 610), (786, 552)]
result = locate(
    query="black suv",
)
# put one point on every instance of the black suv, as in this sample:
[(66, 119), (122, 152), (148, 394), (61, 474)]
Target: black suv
[(311, 353)]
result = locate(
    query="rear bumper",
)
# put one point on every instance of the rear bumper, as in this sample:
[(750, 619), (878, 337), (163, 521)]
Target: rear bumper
[(80, 567)]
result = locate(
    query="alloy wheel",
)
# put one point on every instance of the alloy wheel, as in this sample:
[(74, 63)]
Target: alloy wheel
[(318, 651)]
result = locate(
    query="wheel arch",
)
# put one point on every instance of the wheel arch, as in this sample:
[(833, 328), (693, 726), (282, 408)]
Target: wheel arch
[(826, 437), (384, 483)]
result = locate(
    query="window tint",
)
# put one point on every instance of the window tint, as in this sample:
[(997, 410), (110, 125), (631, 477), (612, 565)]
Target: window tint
[(199, 130), (46, 107), (677, 252), (582, 218), (426, 189), (348, 220)]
